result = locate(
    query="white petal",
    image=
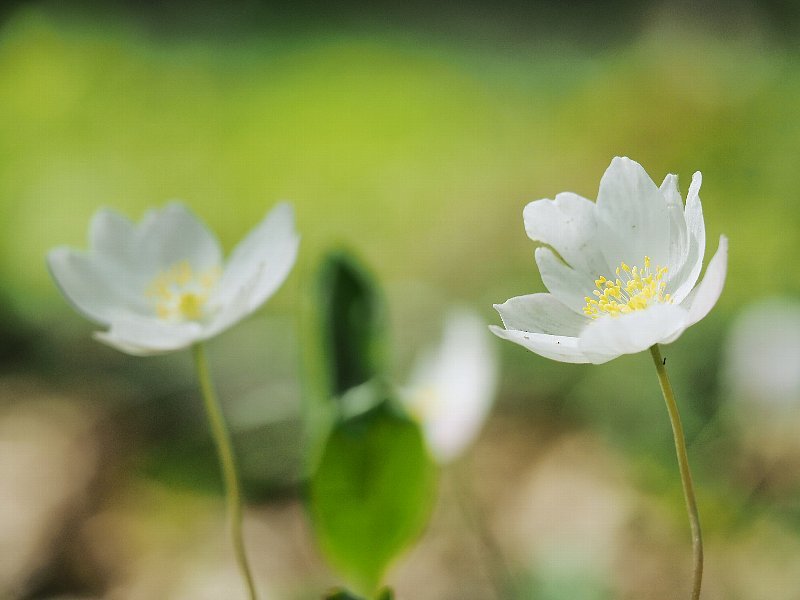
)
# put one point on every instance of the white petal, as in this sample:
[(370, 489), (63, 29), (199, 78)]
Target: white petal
[(116, 249), (453, 387), (554, 347), (567, 285), (632, 216), (540, 313), (669, 189), (270, 249), (237, 305), (678, 235), (762, 358), (112, 235), (144, 337), (695, 223), (705, 296), (174, 234), (609, 337), (568, 225), (683, 281), (89, 286)]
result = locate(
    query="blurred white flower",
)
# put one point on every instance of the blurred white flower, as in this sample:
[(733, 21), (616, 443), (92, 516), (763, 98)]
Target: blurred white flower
[(161, 285), (762, 355), (452, 386), (761, 376), (621, 271)]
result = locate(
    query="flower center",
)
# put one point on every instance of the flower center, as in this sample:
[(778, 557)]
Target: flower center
[(178, 294), (633, 289), (422, 403)]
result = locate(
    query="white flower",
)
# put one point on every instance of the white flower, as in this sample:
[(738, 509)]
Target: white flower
[(761, 376), (161, 285), (762, 356), (452, 386), (621, 272)]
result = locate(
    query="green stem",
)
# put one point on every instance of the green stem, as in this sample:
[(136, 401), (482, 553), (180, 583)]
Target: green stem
[(222, 440), (683, 465)]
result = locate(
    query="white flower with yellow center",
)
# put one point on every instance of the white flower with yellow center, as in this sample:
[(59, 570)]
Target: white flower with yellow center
[(161, 285), (621, 271), (452, 386)]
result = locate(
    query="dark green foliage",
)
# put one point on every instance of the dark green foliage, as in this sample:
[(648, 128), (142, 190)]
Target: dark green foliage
[(352, 318)]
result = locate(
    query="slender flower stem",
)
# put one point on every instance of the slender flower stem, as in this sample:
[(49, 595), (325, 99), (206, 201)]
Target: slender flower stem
[(222, 440), (683, 464)]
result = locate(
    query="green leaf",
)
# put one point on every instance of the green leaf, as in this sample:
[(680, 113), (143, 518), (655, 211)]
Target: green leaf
[(352, 318), (386, 594), (342, 595), (371, 493), (339, 594)]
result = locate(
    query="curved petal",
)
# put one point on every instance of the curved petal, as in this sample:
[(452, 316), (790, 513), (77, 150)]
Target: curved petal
[(174, 234), (632, 216), (89, 287), (678, 235), (269, 249), (567, 285), (237, 306), (540, 313), (705, 296), (452, 387), (554, 347), (685, 279), (112, 234), (143, 337), (609, 337), (568, 225), (115, 249)]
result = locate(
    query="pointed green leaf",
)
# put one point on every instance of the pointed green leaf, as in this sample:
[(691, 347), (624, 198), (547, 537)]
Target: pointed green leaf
[(371, 493), (352, 320)]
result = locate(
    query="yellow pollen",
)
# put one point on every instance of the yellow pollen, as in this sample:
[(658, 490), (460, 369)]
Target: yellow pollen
[(423, 403), (633, 289), (191, 306), (178, 294)]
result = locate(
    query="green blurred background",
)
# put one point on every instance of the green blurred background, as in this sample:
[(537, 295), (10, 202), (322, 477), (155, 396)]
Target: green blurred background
[(413, 136)]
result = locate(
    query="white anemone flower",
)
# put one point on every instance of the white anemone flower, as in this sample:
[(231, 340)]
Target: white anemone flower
[(761, 365), (452, 386), (622, 272), (161, 285)]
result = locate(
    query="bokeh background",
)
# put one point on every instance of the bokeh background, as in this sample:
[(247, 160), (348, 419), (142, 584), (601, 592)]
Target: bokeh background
[(414, 136)]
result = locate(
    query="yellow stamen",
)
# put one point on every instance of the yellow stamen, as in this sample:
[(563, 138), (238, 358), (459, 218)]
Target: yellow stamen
[(178, 294), (640, 288), (190, 306)]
